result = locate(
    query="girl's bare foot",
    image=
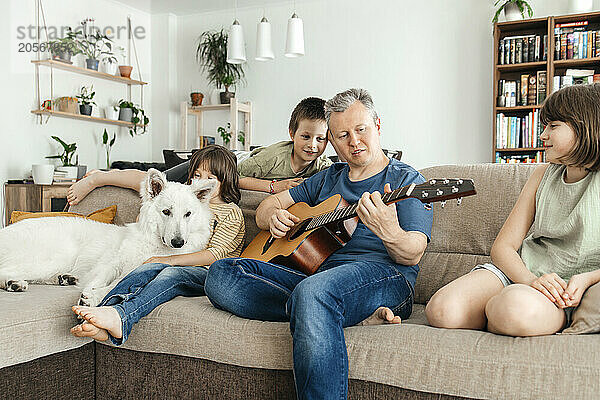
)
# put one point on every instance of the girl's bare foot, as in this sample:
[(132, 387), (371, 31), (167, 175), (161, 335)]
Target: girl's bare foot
[(80, 189), (102, 317), (89, 330), (382, 315)]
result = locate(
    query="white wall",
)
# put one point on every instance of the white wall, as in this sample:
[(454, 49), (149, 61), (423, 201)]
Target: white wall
[(24, 140), (427, 64)]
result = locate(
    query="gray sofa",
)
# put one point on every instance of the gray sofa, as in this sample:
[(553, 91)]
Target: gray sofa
[(188, 349)]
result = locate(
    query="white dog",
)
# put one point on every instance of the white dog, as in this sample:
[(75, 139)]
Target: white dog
[(174, 219)]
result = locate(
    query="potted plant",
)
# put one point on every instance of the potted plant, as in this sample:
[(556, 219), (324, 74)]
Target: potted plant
[(86, 97), (108, 146), (63, 49), (66, 158), (130, 112), (109, 64), (211, 53), (513, 10), (124, 69), (94, 45), (111, 112), (196, 98), (226, 135)]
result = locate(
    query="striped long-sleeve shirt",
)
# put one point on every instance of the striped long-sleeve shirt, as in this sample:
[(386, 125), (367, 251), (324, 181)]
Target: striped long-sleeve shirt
[(228, 229)]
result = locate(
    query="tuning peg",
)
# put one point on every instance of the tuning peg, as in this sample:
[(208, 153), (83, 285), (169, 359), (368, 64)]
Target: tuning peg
[(458, 201), (443, 203), (439, 192), (427, 206), (446, 181), (455, 189), (460, 182), (425, 195), (432, 182)]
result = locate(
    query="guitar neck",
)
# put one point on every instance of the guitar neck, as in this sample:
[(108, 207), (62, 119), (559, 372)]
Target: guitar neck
[(344, 213)]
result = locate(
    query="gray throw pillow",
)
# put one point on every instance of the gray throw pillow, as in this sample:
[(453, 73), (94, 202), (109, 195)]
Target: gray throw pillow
[(586, 318)]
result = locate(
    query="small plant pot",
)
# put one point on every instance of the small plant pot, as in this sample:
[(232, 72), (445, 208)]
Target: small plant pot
[(512, 13), (197, 98), (125, 114), (125, 71), (91, 64), (226, 97), (66, 104), (85, 109), (109, 68), (62, 56), (111, 113)]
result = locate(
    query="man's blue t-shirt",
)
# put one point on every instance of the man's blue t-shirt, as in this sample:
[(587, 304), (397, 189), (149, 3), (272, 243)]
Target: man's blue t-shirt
[(365, 245)]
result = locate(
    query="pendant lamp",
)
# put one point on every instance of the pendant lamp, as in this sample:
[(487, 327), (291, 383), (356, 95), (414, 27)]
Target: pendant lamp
[(294, 44), (264, 50)]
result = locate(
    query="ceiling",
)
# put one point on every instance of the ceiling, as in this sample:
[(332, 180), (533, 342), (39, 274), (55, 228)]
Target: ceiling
[(184, 7)]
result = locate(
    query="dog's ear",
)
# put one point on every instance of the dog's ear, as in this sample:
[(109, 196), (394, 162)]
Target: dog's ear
[(153, 184), (203, 189)]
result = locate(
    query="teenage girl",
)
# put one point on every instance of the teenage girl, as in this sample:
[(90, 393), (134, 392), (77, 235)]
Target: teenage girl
[(534, 283), (161, 279)]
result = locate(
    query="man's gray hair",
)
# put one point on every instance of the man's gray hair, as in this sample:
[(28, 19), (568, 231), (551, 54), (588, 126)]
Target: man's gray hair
[(341, 101)]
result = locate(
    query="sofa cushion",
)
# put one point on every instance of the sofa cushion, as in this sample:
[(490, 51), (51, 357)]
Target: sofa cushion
[(105, 215), (412, 355), (468, 229), (586, 318), (36, 323)]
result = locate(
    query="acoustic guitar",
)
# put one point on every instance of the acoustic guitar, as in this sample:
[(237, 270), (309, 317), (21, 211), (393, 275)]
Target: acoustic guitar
[(328, 226)]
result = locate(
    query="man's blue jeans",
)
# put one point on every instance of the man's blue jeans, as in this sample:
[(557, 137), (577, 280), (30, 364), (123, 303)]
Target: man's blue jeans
[(147, 287), (318, 308)]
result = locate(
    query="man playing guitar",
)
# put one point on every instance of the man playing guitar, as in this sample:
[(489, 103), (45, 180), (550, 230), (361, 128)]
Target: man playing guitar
[(376, 268)]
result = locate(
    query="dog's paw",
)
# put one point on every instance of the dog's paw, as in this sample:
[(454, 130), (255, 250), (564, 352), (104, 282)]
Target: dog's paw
[(66, 280), (85, 299), (16, 286)]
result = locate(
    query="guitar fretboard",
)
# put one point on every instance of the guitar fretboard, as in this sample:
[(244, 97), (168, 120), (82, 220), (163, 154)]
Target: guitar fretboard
[(348, 212)]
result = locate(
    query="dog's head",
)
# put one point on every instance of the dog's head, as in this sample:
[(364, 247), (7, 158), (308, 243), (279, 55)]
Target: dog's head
[(174, 212)]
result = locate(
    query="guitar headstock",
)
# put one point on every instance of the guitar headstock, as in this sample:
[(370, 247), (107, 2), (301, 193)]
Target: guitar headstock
[(441, 190)]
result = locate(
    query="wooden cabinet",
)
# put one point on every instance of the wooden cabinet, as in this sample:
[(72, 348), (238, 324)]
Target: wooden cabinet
[(34, 198)]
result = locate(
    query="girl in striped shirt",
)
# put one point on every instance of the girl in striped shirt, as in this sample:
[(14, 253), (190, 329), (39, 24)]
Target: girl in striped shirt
[(161, 279)]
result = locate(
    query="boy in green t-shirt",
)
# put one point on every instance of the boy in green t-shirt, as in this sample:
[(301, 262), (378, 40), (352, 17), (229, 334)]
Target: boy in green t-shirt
[(284, 165)]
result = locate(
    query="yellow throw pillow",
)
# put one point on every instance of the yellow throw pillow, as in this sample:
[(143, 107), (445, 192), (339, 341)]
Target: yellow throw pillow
[(586, 317), (106, 215)]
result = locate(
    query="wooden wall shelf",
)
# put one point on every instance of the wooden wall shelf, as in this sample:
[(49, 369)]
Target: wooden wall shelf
[(84, 117), (85, 71)]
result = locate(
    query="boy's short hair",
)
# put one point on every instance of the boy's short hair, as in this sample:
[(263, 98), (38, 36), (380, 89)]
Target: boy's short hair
[(579, 107), (312, 108)]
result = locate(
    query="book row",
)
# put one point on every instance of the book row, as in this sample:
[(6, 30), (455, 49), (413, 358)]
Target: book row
[(529, 90), (537, 157), (575, 41), (519, 132), (522, 49), (569, 80)]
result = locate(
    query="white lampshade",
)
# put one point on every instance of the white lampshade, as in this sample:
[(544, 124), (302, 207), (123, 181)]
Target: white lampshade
[(294, 44), (264, 50), (236, 48)]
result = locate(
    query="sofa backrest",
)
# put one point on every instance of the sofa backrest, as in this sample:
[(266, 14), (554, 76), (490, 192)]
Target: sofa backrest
[(128, 206), (462, 236)]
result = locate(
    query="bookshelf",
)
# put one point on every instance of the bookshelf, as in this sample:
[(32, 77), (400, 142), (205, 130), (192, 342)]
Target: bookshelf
[(524, 115)]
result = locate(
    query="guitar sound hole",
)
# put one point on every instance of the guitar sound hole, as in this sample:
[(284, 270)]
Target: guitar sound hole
[(299, 229)]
